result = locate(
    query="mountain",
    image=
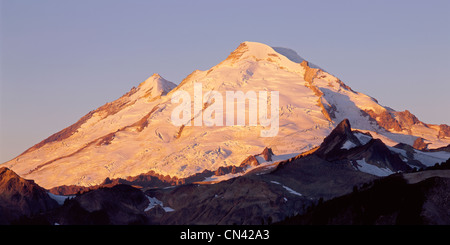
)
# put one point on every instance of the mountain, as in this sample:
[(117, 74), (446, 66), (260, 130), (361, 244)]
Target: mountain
[(136, 133), (21, 198)]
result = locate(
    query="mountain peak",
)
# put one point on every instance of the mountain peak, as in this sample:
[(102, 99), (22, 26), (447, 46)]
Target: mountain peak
[(246, 49), (156, 85), (253, 51), (156, 75), (344, 126), (20, 197), (153, 79), (335, 141), (263, 51)]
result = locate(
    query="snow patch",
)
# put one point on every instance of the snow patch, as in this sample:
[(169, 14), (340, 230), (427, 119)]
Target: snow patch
[(348, 145), (431, 158), (364, 139), (365, 167), (60, 199), (292, 191), (402, 154), (155, 202), (426, 158), (287, 188)]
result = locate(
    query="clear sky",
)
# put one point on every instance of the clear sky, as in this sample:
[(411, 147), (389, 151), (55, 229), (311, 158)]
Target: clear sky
[(61, 59)]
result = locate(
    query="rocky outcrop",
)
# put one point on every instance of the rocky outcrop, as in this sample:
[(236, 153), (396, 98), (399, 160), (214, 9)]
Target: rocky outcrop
[(310, 73), (444, 131), (237, 53), (420, 144), (249, 161), (385, 120), (408, 149), (332, 145), (228, 170), (407, 119), (394, 120), (267, 154), (21, 198)]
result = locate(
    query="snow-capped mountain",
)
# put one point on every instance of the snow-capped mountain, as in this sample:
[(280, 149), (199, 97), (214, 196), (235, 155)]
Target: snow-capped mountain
[(135, 134)]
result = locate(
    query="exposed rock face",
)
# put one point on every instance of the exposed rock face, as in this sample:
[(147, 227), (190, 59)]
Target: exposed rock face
[(395, 120), (228, 170), (444, 131), (332, 144), (21, 198), (249, 161), (237, 53), (267, 154), (310, 73), (385, 120), (407, 119), (420, 144)]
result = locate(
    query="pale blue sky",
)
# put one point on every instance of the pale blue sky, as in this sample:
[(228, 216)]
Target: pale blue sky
[(61, 59)]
